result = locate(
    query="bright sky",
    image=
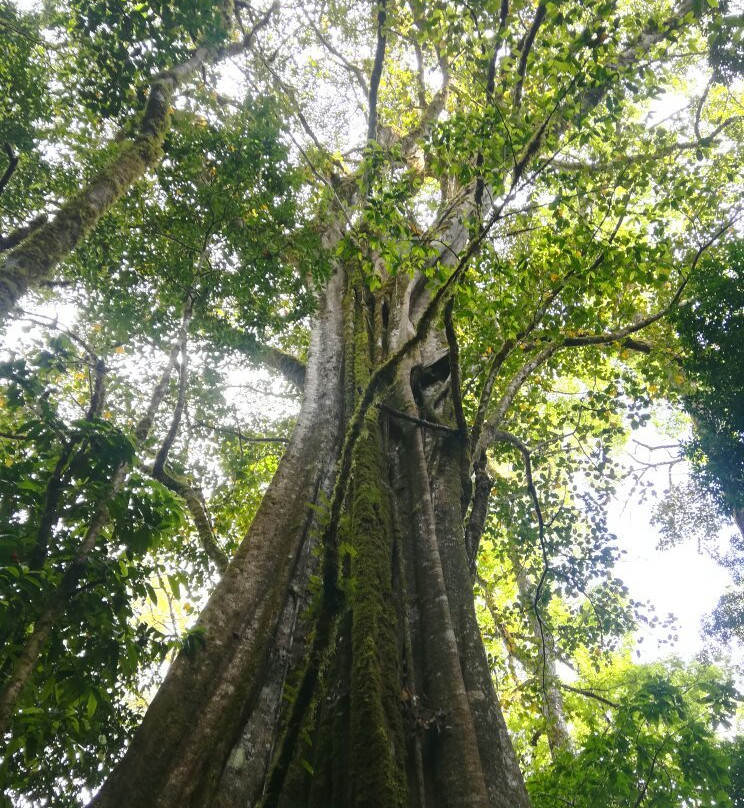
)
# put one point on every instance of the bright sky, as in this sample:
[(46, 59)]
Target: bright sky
[(679, 580)]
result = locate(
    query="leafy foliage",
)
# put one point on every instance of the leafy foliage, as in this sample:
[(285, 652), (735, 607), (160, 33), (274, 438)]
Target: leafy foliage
[(708, 328), (654, 745)]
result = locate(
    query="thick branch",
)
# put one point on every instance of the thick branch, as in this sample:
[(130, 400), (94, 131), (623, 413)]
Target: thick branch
[(12, 165), (374, 80), (525, 51), (14, 238), (34, 259), (260, 353)]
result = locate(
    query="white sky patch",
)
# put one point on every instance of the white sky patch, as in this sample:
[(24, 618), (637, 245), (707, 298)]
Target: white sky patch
[(679, 581), (28, 5)]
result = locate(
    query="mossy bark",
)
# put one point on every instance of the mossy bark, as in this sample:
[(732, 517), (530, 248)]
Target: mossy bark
[(33, 260), (400, 711), (377, 743)]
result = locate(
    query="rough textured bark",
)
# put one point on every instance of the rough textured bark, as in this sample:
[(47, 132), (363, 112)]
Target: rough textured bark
[(402, 710), (394, 703), (178, 755), (33, 260)]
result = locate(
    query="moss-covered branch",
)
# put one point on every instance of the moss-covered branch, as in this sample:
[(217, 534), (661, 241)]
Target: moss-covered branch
[(34, 259)]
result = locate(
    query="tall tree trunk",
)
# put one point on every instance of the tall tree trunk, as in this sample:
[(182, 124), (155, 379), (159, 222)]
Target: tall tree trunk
[(545, 671), (178, 754), (402, 709)]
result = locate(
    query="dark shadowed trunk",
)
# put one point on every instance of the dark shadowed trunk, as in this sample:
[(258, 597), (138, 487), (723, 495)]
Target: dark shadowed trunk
[(402, 709)]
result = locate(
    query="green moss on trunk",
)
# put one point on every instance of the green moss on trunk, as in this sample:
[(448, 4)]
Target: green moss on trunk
[(377, 740), (33, 260)]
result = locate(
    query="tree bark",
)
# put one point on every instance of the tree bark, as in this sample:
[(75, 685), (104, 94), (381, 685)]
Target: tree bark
[(402, 710), (178, 755)]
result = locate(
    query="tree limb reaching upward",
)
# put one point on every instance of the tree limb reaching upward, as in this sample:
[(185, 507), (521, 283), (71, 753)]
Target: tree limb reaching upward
[(34, 259), (179, 485), (524, 55)]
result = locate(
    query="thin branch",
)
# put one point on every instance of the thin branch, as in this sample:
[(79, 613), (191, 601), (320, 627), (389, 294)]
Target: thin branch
[(56, 483), (507, 437), (404, 416), (519, 378), (189, 493), (161, 458), (647, 782), (476, 522), (621, 334), (357, 72), (699, 109), (589, 694), (702, 141), (485, 396), (238, 433), (58, 598), (45, 321)]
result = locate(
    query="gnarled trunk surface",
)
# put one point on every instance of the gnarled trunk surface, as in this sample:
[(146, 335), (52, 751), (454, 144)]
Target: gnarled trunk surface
[(403, 710)]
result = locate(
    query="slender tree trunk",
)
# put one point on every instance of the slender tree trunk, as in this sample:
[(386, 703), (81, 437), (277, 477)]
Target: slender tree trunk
[(34, 259), (551, 701)]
